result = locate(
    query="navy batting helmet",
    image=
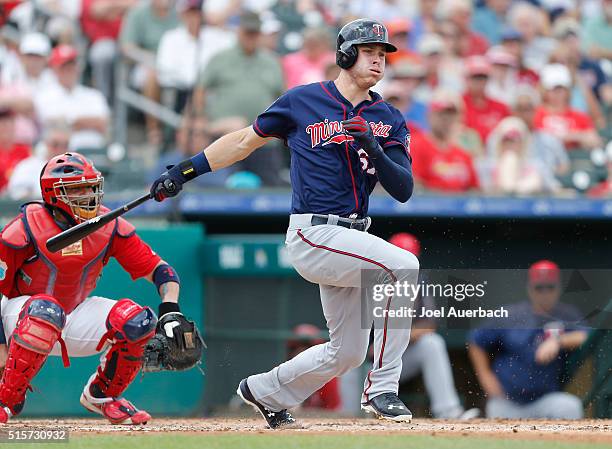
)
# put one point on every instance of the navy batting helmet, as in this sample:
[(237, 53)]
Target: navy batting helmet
[(360, 31)]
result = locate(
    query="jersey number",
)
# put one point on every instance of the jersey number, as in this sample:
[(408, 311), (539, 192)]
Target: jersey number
[(366, 163)]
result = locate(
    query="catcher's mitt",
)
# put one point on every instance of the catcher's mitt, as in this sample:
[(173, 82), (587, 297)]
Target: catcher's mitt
[(176, 346)]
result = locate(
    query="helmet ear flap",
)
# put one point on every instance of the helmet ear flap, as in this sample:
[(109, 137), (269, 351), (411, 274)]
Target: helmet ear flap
[(346, 59)]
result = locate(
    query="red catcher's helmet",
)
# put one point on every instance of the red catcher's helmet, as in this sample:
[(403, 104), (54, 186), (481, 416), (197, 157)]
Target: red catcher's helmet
[(71, 183), (406, 241)]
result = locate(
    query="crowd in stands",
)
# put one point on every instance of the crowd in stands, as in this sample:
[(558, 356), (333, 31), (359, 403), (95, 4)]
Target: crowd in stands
[(502, 97)]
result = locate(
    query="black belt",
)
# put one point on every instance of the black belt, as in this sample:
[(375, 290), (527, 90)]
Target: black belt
[(360, 224)]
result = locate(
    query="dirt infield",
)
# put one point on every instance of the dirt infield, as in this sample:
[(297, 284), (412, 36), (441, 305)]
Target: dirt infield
[(599, 431)]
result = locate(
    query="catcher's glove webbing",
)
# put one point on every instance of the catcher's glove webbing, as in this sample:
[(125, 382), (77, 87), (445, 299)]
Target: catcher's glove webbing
[(176, 346)]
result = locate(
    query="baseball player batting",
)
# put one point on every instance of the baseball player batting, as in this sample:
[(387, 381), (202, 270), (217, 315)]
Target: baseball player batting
[(344, 139), (46, 308)]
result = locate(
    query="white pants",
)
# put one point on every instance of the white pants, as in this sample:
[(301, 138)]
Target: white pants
[(335, 258), (84, 327), (558, 405), (429, 355)]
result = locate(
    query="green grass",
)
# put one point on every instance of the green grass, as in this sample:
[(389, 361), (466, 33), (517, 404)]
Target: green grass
[(283, 441)]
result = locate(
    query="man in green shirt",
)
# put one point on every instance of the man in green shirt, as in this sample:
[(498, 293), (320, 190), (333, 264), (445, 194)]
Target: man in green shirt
[(241, 82), (597, 33), (141, 32)]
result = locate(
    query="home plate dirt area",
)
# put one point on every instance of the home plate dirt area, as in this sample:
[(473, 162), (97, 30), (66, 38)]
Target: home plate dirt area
[(585, 431)]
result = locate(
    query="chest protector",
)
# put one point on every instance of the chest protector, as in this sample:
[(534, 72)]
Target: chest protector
[(68, 275)]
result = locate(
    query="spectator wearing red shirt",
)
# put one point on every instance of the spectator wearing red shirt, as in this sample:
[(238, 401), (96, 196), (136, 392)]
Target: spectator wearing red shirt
[(481, 112), (438, 163), (459, 12), (10, 152), (555, 115), (101, 23), (328, 396), (308, 65)]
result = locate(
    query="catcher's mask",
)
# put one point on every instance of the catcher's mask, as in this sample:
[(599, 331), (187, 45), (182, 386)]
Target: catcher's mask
[(70, 182)]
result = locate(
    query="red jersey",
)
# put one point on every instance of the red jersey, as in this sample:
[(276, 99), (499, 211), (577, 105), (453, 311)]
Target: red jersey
[(70, 275), (96, 29), (477, 45), (9, 158), (451, 170), (483, 117), (559, 123)]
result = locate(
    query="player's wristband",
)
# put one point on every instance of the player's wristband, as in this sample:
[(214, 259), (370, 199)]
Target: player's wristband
[(195, 166), (167, 307), (165, 273)]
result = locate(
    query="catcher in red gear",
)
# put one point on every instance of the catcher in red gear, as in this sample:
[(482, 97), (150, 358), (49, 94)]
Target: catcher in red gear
[(47, 308)]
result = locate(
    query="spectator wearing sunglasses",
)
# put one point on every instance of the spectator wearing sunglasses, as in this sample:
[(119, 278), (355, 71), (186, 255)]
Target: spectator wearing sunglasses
[(519, 361)]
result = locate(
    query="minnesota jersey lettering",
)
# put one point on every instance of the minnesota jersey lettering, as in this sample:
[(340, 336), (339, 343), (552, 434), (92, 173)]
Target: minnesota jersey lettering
[(330, 174)]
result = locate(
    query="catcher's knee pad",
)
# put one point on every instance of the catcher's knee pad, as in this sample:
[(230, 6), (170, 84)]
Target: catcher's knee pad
[(39, 327), (129, 327)]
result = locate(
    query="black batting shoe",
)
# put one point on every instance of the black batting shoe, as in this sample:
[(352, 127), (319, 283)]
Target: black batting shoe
[(388, 406), (275, 420)]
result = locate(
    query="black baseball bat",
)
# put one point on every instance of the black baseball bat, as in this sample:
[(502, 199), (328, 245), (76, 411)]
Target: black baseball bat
[(82, 230)]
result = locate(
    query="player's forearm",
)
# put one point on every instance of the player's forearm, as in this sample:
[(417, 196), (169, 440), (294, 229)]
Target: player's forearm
[(488, 381), (394, 172), (571, 340), (169, 292), (232, 147)]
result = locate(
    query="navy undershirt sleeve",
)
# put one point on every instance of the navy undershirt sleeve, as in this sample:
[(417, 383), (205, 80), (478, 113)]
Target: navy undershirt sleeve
[(394, 171)]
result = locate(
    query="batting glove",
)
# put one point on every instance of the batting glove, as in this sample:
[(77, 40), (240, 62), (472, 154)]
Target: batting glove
[(361, 131), (168, 184)]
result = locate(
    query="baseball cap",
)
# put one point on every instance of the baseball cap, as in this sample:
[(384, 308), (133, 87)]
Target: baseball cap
[(35, 44), (397, 26), (406, 241), (250, 21), (555, 75), (430, 44), (62, 54), (544, 272), (477, 65), (186, 5), (499, 55)]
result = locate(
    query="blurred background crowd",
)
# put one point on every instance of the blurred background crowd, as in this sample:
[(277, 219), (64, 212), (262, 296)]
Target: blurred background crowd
[(502, 97)]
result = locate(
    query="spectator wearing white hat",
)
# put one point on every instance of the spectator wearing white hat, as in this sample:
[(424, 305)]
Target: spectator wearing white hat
[(556, 116), (85, 109), (32, 70)]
